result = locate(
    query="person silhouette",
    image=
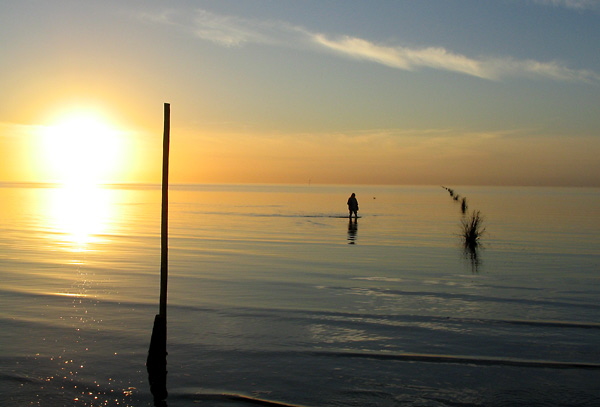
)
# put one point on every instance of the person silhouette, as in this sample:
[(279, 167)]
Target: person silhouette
[(353, 206)]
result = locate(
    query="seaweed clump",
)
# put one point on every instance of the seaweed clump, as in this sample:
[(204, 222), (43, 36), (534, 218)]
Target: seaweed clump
[(472, 230)]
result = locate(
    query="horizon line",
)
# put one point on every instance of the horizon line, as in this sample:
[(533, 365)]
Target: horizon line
[(175, 185)]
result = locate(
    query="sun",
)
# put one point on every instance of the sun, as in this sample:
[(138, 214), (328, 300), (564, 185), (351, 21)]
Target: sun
[(82, 148)]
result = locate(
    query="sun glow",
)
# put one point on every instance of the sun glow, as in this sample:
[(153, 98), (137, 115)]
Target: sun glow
[(82, 149)]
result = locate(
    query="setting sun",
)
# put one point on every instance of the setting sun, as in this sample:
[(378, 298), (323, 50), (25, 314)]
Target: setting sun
[(82, 149)]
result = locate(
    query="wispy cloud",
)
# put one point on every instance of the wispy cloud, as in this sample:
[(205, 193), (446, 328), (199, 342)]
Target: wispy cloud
[(232, 31), (442, 59), (571, 4), (17, 130), (401, 57), (226, 30)]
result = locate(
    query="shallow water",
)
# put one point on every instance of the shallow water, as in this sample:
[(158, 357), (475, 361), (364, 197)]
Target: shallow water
[(275, 295)]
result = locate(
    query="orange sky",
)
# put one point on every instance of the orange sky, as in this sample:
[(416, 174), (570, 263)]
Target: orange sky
[(281, 96)]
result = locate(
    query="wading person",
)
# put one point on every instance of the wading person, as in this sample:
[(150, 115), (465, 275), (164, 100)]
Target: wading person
[(353, 206)]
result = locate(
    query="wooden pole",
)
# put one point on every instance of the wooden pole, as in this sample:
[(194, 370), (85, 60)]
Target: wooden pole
[(164, 249), (156, 363)]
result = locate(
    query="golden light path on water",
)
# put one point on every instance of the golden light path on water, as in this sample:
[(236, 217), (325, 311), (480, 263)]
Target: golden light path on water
[(79, 219)]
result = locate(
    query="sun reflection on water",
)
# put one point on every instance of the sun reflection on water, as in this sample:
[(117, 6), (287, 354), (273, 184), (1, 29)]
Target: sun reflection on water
[(78, 221), (78, 216)]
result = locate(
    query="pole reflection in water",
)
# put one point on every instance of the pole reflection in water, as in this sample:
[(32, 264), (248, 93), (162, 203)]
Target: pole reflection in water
[(156, 364)]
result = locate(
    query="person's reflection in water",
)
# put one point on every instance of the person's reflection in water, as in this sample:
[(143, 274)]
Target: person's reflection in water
[(352, 229)]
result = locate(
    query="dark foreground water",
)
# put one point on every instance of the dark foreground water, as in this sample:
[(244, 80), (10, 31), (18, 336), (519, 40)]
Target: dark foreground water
[(275, 296)]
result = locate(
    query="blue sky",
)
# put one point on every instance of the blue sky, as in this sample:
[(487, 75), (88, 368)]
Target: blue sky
[(436, 92)]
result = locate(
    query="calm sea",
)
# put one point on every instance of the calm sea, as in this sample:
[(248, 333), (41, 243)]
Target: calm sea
[(275, 295)]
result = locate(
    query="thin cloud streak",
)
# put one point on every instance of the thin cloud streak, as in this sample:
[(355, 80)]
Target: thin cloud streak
[(226, 30), (232, 31), (441, 59), (401, 57), (18, 130), (571, 4)]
